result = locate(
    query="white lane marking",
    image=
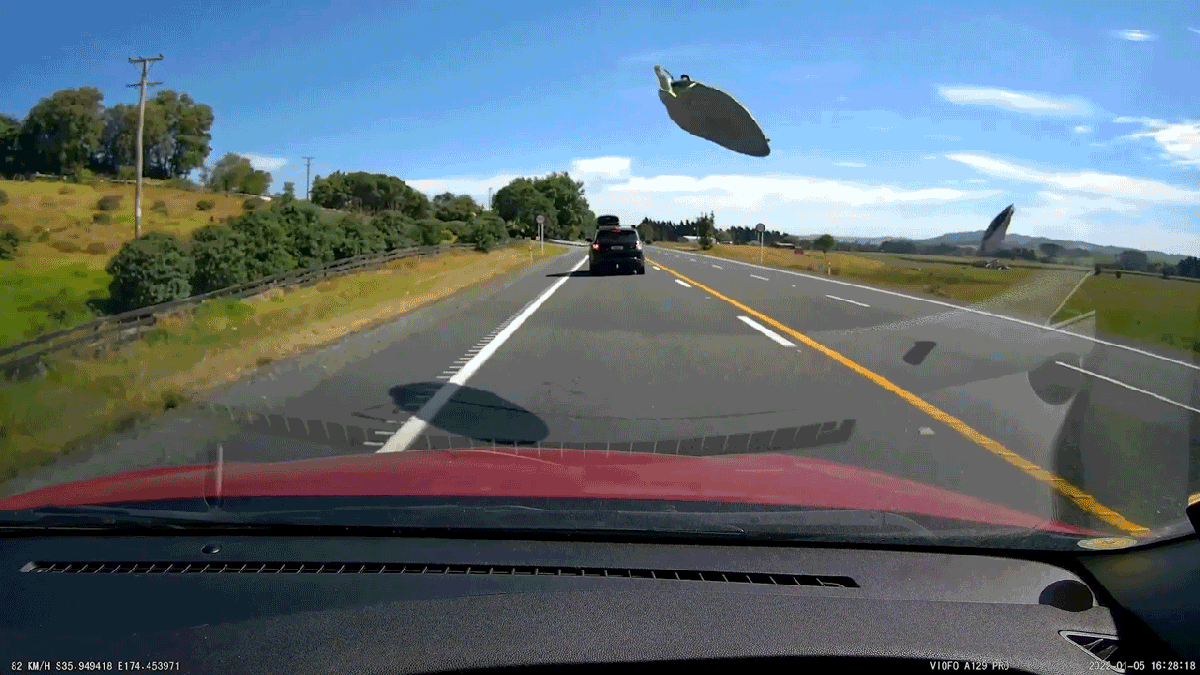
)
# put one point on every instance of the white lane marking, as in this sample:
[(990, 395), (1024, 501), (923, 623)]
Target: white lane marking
[(718, 267), (971, 310), (765, 331), (416, 424), (684, 284), (853, 302), (758, 277), (1130, 387), (657, 269)]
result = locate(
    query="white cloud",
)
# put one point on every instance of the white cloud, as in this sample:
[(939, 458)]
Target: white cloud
[(841, 98), (1134, 35), (855, 165), (880, 128), (476, 187), (1015, 100), (1082, 129), (1179, 141), (608, 167), (943, 137), (1194, 30), (264, 162), (1128, 188)]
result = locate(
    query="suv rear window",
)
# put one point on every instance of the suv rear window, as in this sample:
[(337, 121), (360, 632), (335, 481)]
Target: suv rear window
[(617, 237)]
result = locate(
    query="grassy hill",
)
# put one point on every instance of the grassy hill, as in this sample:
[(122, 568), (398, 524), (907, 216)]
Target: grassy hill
[(59, 267)]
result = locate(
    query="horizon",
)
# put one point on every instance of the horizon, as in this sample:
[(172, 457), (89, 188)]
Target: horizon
[(886, 121)]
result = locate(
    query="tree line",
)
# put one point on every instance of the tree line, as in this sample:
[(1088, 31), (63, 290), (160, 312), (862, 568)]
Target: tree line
[(72, 131)]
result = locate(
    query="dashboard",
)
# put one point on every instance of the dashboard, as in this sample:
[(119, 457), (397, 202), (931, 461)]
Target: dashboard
[(265, 604)]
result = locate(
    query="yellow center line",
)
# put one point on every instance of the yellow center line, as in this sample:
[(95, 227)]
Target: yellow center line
[(1081, 498)]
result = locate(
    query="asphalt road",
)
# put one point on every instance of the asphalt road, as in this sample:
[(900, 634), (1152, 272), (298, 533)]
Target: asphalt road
[(704, 355)]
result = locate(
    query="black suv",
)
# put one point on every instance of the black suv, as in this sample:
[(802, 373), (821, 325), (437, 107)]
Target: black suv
[(616, 246)]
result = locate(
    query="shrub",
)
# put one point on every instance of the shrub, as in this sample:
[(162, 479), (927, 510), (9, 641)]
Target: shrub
[(66, 190), (220, 257), (312, 242), (9, 241), (43, 237), (127, 173), (156, 267), (206, 204), (180, 184), (83, 176), (396, 229), (253, 203), (268, 243), (160, 206), (96, 248), (109, 203), (102, 218), (359, 236), (3, 198), (1117, 274), (65, 246)]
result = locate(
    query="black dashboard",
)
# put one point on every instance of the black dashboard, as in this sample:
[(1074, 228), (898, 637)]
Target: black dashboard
[(265, 604)]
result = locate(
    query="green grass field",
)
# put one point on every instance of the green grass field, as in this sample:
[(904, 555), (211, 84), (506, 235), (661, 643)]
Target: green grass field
[(1163, 312), (82, 400), (53, 276)]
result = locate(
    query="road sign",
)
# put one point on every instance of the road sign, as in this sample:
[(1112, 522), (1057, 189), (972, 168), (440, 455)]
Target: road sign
[(541, 219), (760, 228)]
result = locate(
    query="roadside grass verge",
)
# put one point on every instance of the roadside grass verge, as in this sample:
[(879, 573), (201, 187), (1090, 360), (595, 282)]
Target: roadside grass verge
[(1150, 310), (958, 282), (35, 302), (80, 401)]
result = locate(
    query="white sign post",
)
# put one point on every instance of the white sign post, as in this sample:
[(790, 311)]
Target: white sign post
[(541, 237), (760, 228)]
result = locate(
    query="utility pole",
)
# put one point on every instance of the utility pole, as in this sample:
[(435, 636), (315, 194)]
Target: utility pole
[(307, 167), (141, 85), (489, 202)]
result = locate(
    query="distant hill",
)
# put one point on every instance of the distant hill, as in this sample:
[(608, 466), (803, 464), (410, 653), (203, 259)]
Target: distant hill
[(1010, 240)]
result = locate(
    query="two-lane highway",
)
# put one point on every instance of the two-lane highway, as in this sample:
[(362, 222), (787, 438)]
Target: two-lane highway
[(713, 356)]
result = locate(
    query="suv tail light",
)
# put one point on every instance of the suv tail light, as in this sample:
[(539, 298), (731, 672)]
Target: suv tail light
[(639, 245), (595, 246)]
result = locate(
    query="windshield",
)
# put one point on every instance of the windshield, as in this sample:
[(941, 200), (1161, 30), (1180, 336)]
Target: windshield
[(925, 272)]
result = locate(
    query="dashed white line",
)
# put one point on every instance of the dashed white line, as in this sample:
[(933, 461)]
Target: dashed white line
[(684, 284), (416, 424), (1130, 387), (718, 267), (853, 302), (758, 277), (766, 331)]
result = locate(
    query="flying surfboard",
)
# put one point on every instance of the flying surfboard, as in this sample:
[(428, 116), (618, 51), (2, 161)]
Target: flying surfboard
[(994, 235), (711, 114)]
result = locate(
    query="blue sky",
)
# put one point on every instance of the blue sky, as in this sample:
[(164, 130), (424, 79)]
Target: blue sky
[(885, 118)]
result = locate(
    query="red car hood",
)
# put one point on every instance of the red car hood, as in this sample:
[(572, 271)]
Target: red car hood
[(486, 472)]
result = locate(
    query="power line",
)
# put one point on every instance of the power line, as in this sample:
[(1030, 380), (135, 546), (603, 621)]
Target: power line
[(306, 172), (141, 85)]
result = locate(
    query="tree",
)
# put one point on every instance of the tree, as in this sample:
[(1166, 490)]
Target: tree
[(268, 243), (11, 159), (233, 173), (1050, 250), (824, 243), (370, 193), (449, 207), (1133, 260), (289, 191), (899, 246), (220, 255), (706, 228), (570, 208), (62, 132), (1189, 267), (519, 203)]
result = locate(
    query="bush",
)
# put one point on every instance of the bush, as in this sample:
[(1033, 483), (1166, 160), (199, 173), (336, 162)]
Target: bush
[(109, 203), (160, 206), (102, 218), (1099, 270), (9, 241), (180, 184), (96, 248), (359, 236), (220, 257), (127, 173), (268, 243), (3, 198), (313, 242), (1117, 274), (396, 229), (66, 190), (83, 176), (206, 204), (65, 246), (253, 203), (43, 237), (156, 267)]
